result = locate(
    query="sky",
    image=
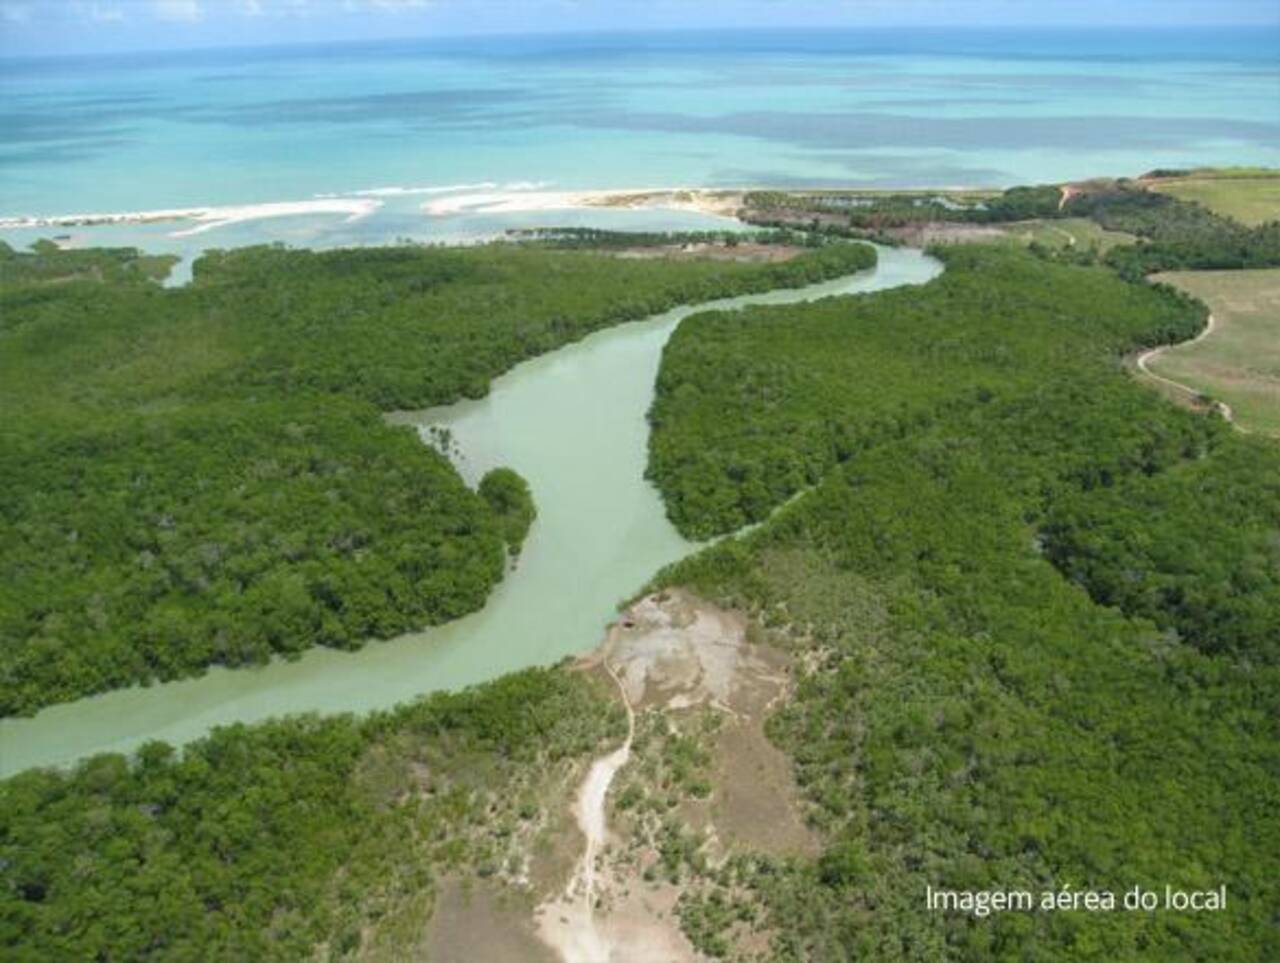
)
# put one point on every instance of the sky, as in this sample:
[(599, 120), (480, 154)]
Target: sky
[(53, 27)]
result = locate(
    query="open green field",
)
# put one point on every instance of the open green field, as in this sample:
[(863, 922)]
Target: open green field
[(1239, 363), (1250, 195), (1068, 232)]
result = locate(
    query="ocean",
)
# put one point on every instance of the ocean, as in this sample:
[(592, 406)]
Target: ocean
[(400, 123)]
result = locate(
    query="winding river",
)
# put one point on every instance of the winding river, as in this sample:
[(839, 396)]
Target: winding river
[(572, 422)]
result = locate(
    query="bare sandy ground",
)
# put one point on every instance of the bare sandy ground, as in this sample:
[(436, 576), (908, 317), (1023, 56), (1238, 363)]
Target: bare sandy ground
[(715, 202), (594, 890), (675, 654), (569, 925)]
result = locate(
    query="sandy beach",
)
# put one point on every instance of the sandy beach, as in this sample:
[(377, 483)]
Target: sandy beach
[(206, 218), (446, 201), (512, 200)]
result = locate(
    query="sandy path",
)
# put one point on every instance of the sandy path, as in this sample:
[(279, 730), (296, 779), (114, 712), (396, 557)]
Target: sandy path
[(569, 925), (670, 652), (589, 809), (1150, 355)]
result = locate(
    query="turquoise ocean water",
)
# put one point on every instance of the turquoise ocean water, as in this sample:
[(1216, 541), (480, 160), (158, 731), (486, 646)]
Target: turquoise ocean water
[(873, 108)]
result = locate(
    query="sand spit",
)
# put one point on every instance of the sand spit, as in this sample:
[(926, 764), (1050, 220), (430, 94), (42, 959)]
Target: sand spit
[(206, 218), (354, 208), (515, 200)]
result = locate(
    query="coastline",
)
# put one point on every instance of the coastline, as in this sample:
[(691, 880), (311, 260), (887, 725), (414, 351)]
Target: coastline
[(443, 202), (206, 218), (716, 202), (447, 201)]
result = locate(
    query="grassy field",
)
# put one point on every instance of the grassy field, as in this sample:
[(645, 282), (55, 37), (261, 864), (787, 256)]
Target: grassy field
[(1067, 232), (1250, 195), (1240, 362)]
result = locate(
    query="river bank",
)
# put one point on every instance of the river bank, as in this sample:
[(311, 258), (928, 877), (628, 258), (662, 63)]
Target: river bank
[(601, 532)]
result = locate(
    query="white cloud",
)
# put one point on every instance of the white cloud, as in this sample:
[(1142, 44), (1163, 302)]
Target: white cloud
[(251, 8), (186, 11)]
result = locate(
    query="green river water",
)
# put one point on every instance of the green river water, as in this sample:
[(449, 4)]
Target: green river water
[(572, 422)]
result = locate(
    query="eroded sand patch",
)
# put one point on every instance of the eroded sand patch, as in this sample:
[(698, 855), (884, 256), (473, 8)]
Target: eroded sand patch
[(674, 651), (691, 679), (603, 884)]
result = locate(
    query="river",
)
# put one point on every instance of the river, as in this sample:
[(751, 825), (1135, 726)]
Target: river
[(572, 422)]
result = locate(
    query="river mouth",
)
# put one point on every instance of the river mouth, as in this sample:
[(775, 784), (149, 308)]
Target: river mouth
[(572, 422)]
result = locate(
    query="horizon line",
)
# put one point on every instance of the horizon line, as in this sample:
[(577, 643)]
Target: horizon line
[(623, 31)]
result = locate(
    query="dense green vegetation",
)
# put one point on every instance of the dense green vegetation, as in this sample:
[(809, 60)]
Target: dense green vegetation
[(47, 262), (879, 211), (969, 718), (509, 496), (146, 547), (1195, 549), (201, 476), (409, 327), (594, 238), (1175, 234), (307, 838), (751, 407)]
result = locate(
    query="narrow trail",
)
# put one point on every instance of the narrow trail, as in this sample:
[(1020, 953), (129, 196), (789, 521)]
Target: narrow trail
[(591, 798), (569, 924), (1151, 354)]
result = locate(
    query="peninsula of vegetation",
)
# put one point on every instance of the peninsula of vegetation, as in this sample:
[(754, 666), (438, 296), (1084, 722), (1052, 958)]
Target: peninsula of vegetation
[(1005, 618), (200, 476)]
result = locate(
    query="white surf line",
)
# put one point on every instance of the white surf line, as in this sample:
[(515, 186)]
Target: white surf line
[(90, 220), (207, 218), (1221, 407)]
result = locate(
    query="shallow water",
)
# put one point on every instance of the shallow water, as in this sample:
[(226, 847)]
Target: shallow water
[(868, 108), (573, 423)]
